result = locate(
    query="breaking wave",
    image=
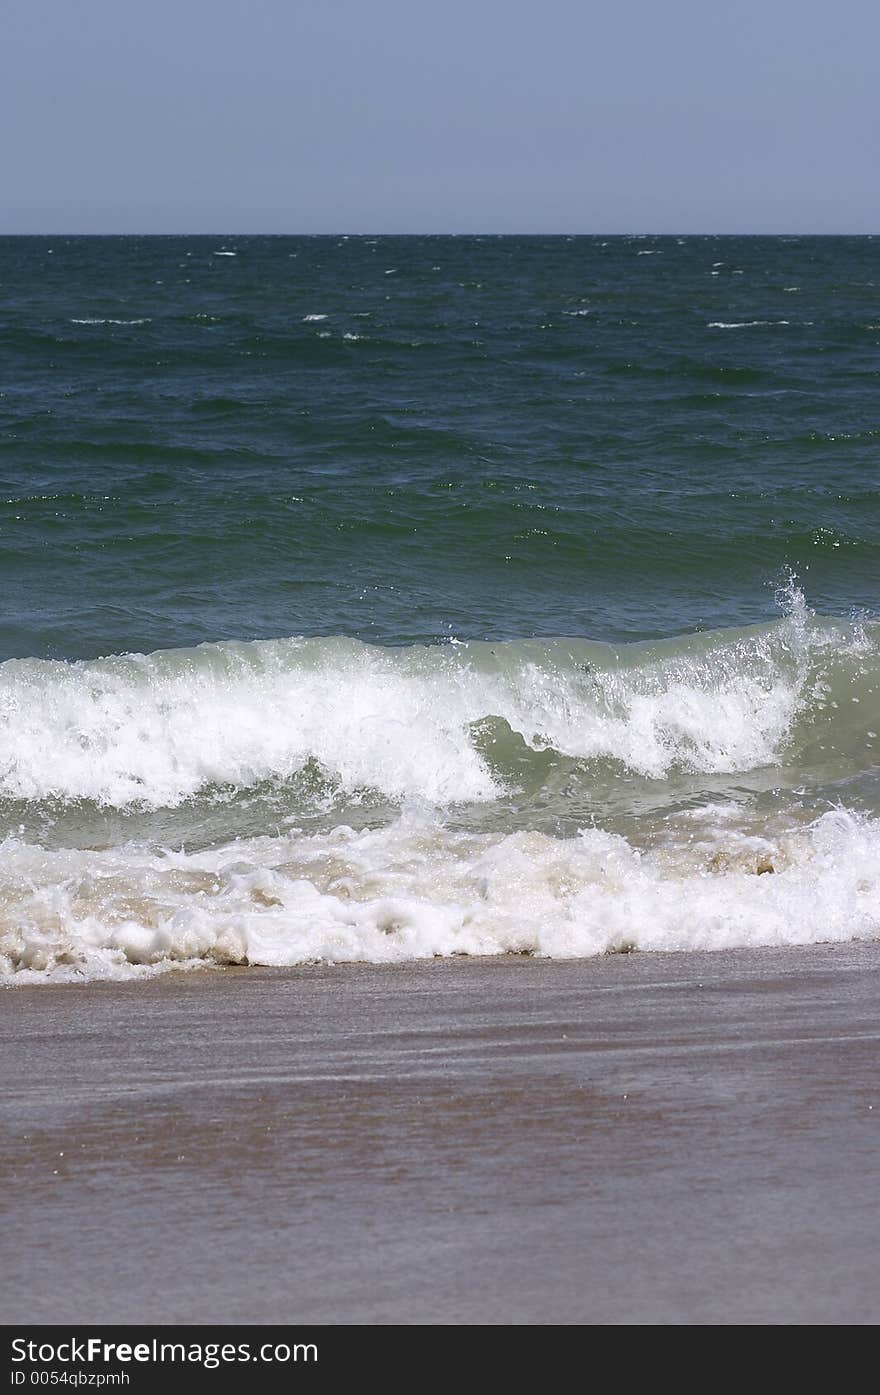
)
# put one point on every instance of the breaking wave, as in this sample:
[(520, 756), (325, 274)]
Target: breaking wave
[(438, 724), (435, 731)]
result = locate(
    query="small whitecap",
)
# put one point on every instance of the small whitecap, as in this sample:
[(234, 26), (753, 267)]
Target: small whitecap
[(743, 324)]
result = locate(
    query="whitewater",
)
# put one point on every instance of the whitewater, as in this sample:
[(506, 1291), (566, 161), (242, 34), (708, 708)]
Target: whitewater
[(325, 800)]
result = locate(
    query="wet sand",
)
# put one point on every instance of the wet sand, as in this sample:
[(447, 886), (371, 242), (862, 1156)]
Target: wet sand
[(642, 1138)]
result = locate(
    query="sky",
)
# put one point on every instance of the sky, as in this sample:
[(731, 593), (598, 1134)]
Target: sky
[(305, 116)]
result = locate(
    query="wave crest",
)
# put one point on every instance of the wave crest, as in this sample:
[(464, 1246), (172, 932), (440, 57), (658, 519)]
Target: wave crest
[(156, 730)]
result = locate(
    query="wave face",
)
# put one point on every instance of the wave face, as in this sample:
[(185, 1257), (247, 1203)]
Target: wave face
[(442, 725), (547, 797)]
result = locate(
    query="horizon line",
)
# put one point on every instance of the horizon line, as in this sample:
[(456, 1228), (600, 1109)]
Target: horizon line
[(226, 232)]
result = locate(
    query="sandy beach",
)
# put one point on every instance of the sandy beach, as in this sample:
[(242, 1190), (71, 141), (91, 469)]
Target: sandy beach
[(677, 1138)]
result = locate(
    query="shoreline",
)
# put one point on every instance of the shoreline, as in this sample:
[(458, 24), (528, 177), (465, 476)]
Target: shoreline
[(631, 1138)]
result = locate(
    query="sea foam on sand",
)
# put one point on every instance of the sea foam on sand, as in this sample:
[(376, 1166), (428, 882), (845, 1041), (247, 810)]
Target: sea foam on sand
[(416, 889)]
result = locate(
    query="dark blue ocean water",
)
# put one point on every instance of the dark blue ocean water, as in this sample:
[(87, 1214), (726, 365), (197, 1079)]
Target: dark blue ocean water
[(409, 438)]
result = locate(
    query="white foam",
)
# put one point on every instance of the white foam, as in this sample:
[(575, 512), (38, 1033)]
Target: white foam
[(155, 730), (743, 324), (110, 322), (415, 890), (308, 319)]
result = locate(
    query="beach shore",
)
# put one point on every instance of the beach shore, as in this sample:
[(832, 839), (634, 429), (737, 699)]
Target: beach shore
[(672, 1138)]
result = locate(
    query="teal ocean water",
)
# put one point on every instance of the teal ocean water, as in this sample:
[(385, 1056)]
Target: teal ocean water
[(381, 597)]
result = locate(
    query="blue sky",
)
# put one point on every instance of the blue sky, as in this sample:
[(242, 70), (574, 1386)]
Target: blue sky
[(416, 116)]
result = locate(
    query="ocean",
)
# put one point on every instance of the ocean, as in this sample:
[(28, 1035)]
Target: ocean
[(379, 599)]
